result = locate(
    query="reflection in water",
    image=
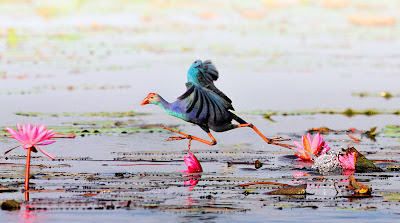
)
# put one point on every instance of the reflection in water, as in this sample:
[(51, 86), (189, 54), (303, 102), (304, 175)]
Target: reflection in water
[(348, 172), (192, 182), (190, 201), (27, 215)]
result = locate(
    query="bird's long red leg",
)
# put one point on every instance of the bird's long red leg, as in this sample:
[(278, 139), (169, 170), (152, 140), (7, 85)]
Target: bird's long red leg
[(190, 137), (267, 140)]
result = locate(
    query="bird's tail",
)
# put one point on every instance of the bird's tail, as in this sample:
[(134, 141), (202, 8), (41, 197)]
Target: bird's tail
[(238, 119)]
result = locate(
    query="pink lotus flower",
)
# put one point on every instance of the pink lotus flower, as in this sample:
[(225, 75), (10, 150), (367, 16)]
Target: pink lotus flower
[(193, 164), (31, 137), (348, 161), (315, 147)]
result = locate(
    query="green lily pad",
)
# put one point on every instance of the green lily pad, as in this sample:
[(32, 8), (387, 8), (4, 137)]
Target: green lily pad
[(348, 112), (392, 197), (18, 92), (392, 131), (103, 114), (98, 129), (385, 94)]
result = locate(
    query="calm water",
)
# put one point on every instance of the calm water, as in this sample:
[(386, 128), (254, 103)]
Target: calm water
[(92, 56)]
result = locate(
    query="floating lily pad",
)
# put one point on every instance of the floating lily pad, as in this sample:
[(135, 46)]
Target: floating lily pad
[(348, 112), (384, 94), (392, 197), (18, 92), (291, 190), (103, 114), (10, 205), (392, 131), (98, 129)]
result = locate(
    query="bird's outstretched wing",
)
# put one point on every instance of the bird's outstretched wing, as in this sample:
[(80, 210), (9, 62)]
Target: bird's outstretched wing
[(204, 103), (203, 74)]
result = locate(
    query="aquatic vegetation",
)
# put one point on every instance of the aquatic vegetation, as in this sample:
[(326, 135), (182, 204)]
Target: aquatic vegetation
[(290, 190), (93, 114), (311, 147), (348, 161), (10, 205), (359, 188), (18, 92), (192, 164), (348, 112), (384, 94), (31, 137), (392, 131)]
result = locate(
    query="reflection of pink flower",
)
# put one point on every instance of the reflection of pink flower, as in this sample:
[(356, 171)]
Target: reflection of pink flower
[(316, 146), (193, 164), (32, 136), (348, 161), (192, 182), (348, 172), (190, 201)]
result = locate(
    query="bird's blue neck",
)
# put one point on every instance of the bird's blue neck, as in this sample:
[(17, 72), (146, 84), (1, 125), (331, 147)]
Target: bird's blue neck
[(163, 104), (173, 109)]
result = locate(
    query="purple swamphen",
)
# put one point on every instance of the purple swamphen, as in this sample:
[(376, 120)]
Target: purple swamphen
[(204, 105)]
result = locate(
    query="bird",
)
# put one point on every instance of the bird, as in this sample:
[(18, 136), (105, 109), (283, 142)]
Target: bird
[(205, 105)]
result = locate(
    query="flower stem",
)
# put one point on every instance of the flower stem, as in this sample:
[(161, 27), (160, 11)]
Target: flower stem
[(27, 170)]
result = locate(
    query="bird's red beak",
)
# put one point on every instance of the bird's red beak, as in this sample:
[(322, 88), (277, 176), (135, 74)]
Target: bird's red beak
[(145, 101)]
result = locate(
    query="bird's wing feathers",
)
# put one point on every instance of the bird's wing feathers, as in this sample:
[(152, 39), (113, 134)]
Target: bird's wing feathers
[(189, 91), (206, 102), (210, 71), (206, 79)]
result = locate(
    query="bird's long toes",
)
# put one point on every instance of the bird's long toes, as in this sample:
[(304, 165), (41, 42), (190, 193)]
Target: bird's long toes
[(175, 138), (279, 139)]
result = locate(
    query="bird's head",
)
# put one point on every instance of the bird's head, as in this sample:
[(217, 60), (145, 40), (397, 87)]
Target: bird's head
[(196, 67), (152, 98)]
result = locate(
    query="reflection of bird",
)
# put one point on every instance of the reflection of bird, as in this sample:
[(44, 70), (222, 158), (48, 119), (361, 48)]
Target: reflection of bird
[(204, 105)]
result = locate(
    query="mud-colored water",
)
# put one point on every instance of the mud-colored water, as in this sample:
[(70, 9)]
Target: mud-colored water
[(100, 56)]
